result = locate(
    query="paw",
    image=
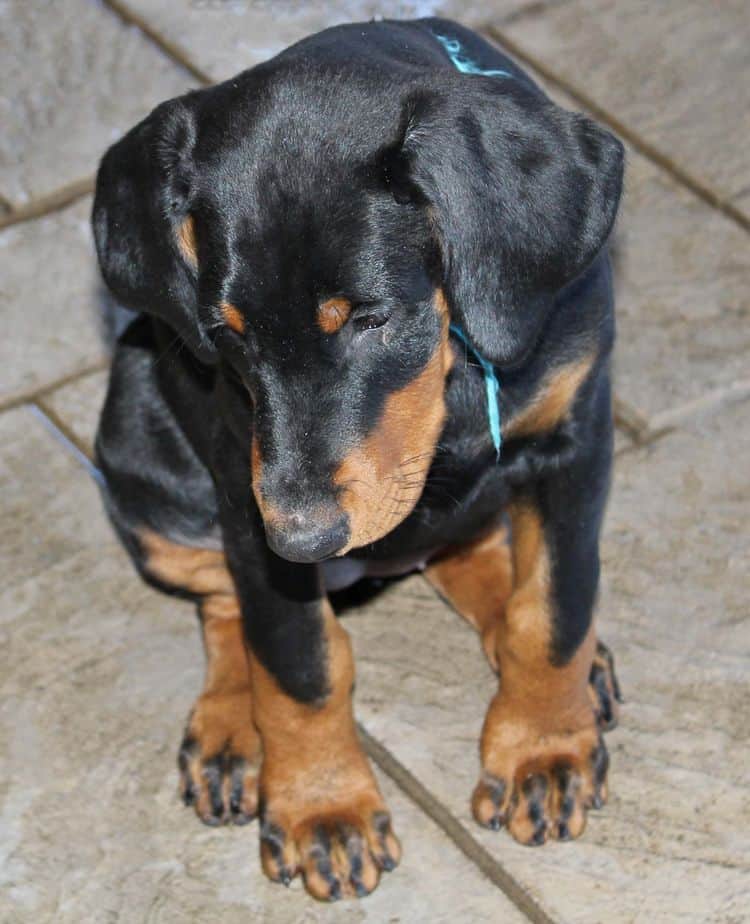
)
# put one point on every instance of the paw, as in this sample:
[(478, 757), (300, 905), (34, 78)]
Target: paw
[(541, 786), (219, 760), (340, 851), (604, 690)]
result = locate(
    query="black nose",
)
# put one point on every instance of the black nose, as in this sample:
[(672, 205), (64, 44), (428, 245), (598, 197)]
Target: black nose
[(306, 537)]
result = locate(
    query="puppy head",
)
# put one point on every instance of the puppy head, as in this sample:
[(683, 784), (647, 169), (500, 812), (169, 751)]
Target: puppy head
[(316, 236)]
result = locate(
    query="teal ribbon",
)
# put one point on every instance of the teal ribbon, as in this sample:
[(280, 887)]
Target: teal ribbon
[(491, 384), (464, 64), (491, 387)]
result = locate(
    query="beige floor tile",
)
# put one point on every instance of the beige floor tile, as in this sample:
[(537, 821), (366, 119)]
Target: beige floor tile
[(682, 294), (52, 302), (39, 532), (676, 71), (74, 80), (79, 404), (225, 38), (97, 673), (672, 845)]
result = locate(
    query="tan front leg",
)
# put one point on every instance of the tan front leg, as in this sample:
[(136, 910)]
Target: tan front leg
[(543, 761), (477, 579), (323, 815), (219, 758), (220, 754)]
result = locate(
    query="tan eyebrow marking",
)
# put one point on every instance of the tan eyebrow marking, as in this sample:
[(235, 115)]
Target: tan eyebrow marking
[(233, 317), (186, 241), (333, 314)]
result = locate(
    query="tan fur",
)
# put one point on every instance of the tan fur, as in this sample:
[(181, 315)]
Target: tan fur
[(233, 317), (315, 773), (477, 580), (382, 479), (541, 716), (333, 314), (186, 241), (221, 720), (200, 571), (551, 404), (541, 725), (269, 513), (222, 717)]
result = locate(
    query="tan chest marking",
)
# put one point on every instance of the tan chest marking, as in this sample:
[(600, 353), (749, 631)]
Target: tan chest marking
[(552, 403)]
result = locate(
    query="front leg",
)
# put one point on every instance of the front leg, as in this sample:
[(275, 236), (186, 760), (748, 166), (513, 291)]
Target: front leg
[(322, 811), (322, 814), (544, 763)]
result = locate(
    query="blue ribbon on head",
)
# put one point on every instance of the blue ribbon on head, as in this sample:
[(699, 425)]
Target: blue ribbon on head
[(491, 384), (464, 64)]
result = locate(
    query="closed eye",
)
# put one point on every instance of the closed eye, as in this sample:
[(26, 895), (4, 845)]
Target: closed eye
[(371, 320)]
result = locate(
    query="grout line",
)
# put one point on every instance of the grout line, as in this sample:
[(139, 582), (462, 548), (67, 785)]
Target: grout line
[(173, 50), (665, 421), (630, 420), (697, 186), (532, 9), (65, 436), (645, 431), (627, 450), (455, 831), (80, 446), (51, 202), (32, 395)]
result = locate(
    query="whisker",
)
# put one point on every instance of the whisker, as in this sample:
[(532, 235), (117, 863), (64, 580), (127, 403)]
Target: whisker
[(416, 458), (167, 349)]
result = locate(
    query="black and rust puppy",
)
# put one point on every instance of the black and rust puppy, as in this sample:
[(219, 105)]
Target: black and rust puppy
[(336, 256)]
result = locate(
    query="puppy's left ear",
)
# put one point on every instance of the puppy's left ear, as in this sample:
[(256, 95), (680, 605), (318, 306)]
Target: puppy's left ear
[(522, 195)]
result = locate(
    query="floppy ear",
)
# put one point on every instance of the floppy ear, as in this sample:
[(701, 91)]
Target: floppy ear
[(142, 225), (522, 195)]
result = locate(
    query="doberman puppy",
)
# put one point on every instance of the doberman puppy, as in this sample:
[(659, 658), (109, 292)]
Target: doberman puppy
[(375, 320)]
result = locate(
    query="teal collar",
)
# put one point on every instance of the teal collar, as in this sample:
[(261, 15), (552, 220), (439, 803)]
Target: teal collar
[(491, 384)]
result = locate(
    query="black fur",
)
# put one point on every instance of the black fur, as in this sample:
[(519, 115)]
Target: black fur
[(358, 163)]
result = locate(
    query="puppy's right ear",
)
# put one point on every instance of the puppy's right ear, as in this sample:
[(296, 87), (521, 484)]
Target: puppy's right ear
[(142, 222)]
